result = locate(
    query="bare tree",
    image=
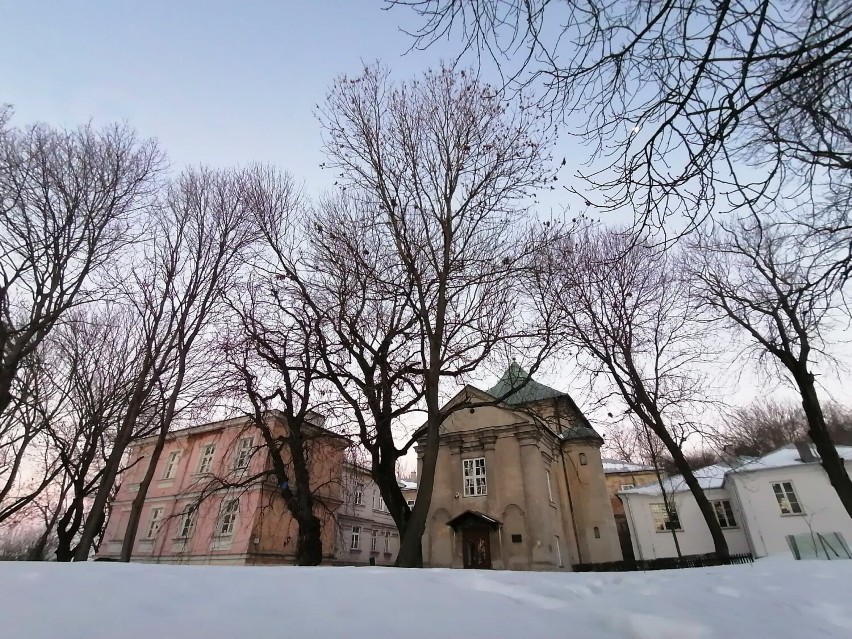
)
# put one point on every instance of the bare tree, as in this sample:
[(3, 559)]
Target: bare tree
[(626, 311), (780, 285), (675, 99), (450, 170), (67, 201)]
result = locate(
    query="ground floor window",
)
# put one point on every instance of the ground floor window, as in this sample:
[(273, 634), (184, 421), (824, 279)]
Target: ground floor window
[(665, 518)]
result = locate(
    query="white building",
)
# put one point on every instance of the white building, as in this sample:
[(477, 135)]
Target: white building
[(760, 504), (366, 531)]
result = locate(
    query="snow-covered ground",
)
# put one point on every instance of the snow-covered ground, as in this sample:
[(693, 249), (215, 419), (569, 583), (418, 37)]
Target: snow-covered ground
[(772, 598)]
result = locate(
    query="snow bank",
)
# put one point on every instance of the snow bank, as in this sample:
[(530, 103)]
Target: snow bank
[(773, 598)]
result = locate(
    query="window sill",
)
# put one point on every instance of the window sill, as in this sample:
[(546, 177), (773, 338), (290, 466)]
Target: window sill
[(669, 532), (482, 495), (730, 527), (354, 550), (793, 514), (224, 536)]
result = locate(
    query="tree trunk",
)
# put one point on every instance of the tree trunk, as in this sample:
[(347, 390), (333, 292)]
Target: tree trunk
[(309, 545), (818, 431), (139, 500), (719, 542)]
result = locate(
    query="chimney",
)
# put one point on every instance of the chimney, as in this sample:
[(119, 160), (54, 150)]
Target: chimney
[(805, 453)]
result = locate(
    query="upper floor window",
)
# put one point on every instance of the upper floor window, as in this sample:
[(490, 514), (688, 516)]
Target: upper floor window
[(205, 462), (155, 522), (171, 465), (474, 477), (244, 447), (665, 518), (359, 494), (583, 461), (549, 489), (355, 540), (787, 500), (228, 518), (724, 513)]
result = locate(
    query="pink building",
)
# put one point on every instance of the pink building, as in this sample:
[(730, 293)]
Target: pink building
[(188, 517)]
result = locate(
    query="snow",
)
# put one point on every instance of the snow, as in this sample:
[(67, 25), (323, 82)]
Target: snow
[(620, 466), (771, 598), (406, 484), (708, 477), (787, 456)]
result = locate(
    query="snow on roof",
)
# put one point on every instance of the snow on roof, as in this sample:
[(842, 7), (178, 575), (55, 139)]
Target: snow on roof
[(621, 466), (407, 485), (708, 477), (714, 476), (787, 456)]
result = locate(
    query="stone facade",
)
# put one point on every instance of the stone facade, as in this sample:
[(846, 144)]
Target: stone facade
[(518, 485)]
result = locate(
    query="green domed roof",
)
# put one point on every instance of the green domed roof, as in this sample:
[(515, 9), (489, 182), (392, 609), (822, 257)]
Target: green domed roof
[(531, 391)]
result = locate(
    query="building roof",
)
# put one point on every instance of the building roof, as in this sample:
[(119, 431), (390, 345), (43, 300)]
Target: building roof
[(714, 476), (470, 517), (620, 466), (406, 484), (531, 391)]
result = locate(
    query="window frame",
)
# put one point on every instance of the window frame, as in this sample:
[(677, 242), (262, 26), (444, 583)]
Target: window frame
[(410, 503), (786, 496), (205, 459), (187, 523), (474, 477), (627, 486), (667, 510), (374, 540), (359, 494), (242, 458), (727, 512), (155, 522), (387, 542), (355, 538), (549, 487), (172, 461), (228, 514)]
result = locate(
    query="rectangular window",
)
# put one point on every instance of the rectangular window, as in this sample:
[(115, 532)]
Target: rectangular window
[(187, 524), (627, 486), (154, 523), (724, 513), (474, 477), (411, 503), (787, 500), (171, 465), (387, 541), (205, 462), (662, 520), (549, 489), (241, 460), (359, 494), (375, 501), (228, 518), (355, 542), (373, 539)]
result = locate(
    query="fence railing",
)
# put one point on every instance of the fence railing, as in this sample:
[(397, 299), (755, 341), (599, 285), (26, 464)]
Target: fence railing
[(666, 563)]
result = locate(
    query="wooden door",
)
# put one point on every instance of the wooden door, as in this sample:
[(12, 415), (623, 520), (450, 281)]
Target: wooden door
[(476, 548)]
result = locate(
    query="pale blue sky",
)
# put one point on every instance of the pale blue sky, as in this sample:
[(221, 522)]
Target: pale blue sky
[(216, 81)]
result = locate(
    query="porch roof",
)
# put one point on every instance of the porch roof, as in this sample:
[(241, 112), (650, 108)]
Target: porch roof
[(472, 517)]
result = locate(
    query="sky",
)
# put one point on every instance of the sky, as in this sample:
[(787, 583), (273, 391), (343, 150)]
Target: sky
[(219, 83)]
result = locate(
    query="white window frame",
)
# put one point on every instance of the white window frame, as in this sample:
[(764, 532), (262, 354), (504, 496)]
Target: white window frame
[(549, 487), (785, 497), (154, 522), (410, 503), (474, 477), (374, 537), (243, 455), (228, 517), (205, 461), (187, 523), (627, 486), (171, 465), (387, 541), (359, 494), (724, 512), (658, 511), (355, 538)]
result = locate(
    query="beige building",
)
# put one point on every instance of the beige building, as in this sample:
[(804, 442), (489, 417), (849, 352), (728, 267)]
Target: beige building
[(623, 475), (520, 484)]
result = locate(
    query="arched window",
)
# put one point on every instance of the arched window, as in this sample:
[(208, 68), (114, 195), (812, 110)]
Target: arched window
[(597, 533), (582, 459)]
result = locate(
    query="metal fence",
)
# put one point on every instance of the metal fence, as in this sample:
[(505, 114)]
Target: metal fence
[(666, 563)]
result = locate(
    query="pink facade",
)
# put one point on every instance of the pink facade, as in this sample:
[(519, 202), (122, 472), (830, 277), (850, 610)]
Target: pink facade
[(234, 525)]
